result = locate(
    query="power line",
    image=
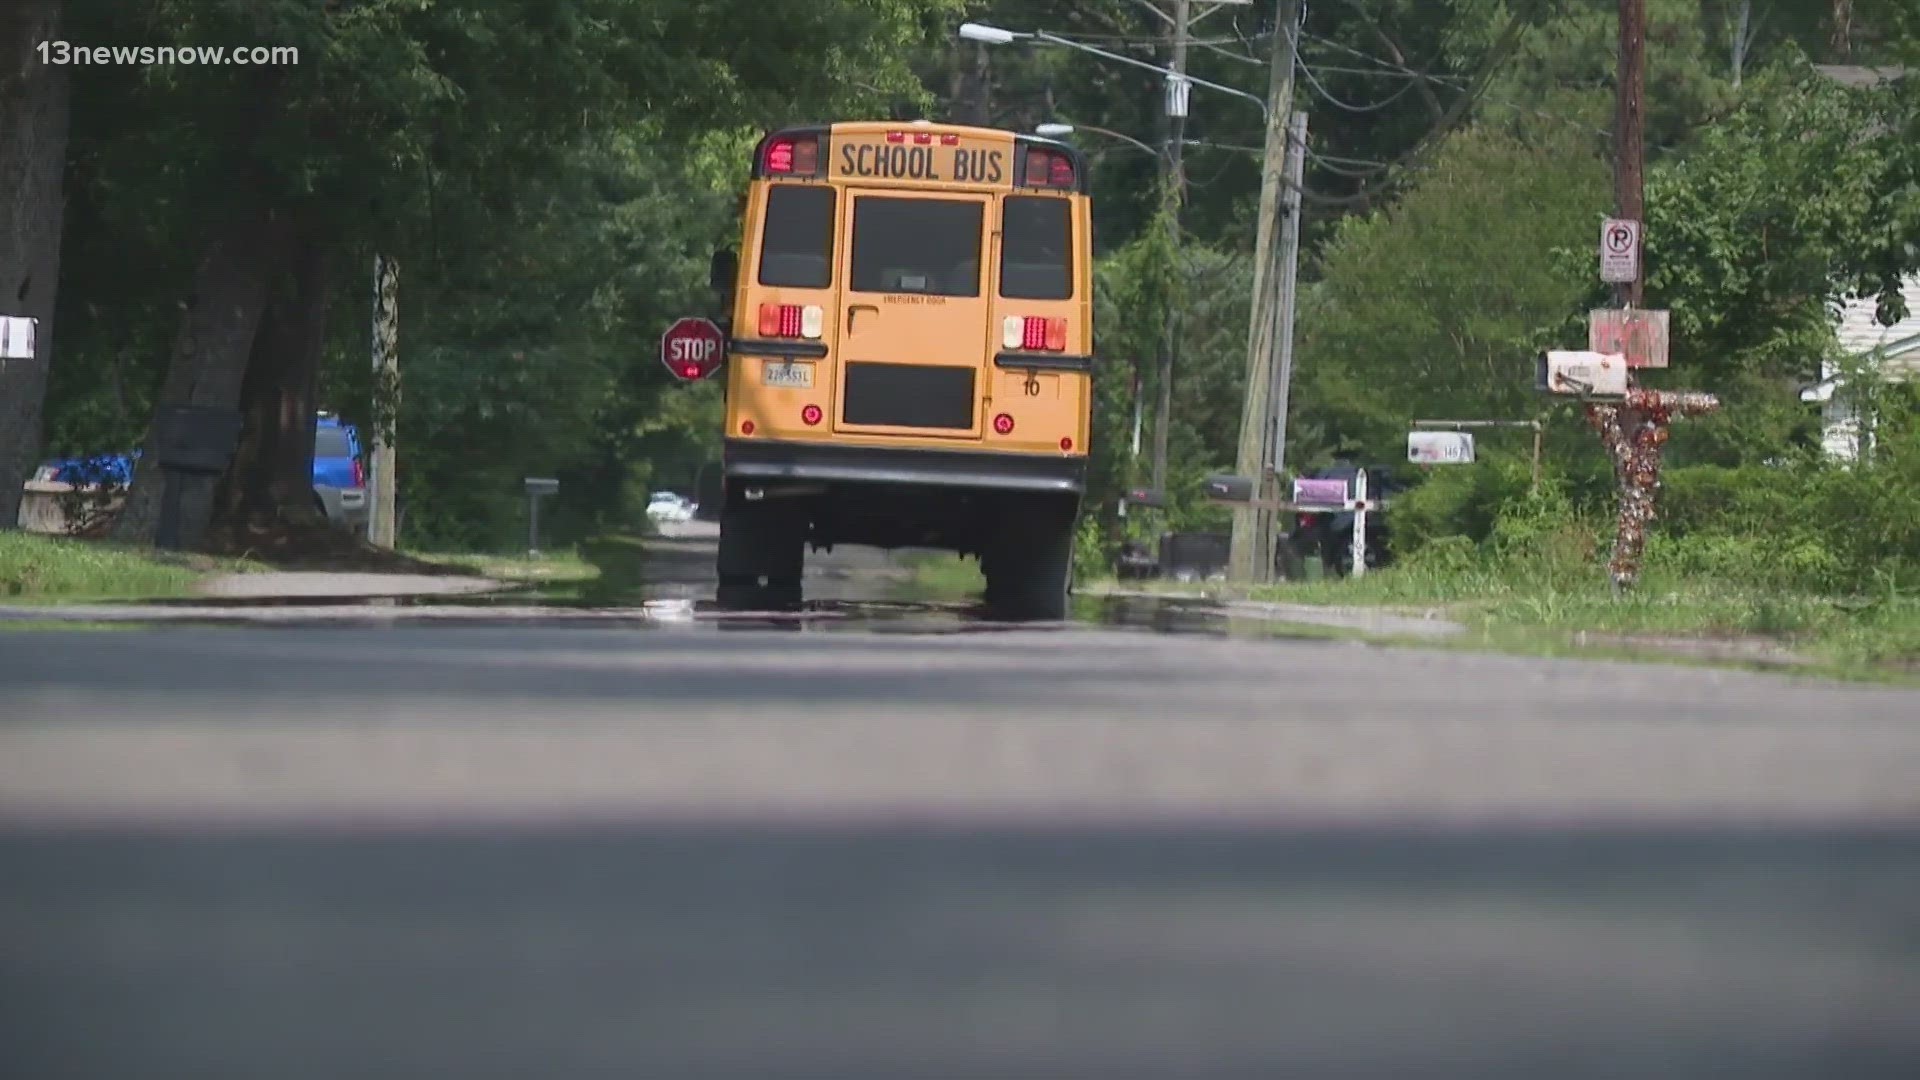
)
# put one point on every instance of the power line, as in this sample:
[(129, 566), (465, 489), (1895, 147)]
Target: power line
[(1346, 106), (1388, 67)]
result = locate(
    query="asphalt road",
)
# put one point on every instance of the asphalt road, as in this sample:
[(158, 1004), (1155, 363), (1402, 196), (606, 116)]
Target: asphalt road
[(901, 845)]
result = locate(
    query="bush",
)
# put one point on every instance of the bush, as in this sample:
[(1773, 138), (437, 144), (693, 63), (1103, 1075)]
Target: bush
[(1801, 524), (1459, 501), (1091, 557)]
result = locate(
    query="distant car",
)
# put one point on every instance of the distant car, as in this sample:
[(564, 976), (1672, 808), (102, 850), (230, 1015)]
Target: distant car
[(1329, 533), (339, 477), (667, 506)]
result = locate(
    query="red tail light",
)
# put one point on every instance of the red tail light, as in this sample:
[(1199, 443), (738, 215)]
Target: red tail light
[(359, 474), (810, 415), (792, 321), (779, 320), (949, 140), (896, 136), (1038, 334), (1035, 336), (923, 138), (1048, 168), (794, 155), (1003, 424)]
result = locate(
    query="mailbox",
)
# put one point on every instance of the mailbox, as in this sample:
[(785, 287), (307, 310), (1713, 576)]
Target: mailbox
[(1147, 497), (1320, 491), (1582, 374), (542, 486), (1238, 489), (1440, 447)]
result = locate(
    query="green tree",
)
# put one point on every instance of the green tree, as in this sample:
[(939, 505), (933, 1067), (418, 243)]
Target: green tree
[(1435, 305), (1809, 193), (33, 135), (403, 116)]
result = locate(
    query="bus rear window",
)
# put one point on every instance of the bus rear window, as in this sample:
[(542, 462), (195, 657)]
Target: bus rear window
[(796, 245), (1036, 249), (916, 246)]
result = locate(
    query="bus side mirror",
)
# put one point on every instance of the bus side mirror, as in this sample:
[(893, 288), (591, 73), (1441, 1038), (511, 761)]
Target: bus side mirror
[(723, 271)]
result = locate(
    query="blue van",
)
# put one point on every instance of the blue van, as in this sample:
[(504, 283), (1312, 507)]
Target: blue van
[(339, 476)]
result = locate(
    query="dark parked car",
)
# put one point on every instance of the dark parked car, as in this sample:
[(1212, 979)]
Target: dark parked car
[(1329, 533)]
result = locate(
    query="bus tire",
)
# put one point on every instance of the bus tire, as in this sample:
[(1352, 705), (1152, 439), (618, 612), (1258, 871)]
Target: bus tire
[(761, 556), (1030, 569)]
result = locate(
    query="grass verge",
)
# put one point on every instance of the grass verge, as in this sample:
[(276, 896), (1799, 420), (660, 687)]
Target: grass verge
[(35, 567), (1874, 637), (551, 566)]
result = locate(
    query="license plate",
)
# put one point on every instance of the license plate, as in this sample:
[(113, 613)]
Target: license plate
[(789, 374)]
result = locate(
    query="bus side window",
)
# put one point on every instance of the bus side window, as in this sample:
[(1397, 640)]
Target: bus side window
[(796, 242), (1036, 250)]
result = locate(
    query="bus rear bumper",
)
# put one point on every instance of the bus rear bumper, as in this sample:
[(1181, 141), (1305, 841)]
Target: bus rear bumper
[(809, 464)]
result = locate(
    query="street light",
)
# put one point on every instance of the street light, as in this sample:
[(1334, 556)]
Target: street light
[(1177, 82), (1061, 131), (992, 35)]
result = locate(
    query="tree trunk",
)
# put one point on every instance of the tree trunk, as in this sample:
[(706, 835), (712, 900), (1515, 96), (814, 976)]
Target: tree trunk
[(33, 156), (210, 356), (1842, 43), (272, 469)]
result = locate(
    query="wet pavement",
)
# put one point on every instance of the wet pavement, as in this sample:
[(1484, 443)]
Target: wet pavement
[(621, 833), (849, 590)]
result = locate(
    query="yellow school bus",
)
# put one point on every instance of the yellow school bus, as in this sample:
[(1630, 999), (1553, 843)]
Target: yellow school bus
[(909, 356)]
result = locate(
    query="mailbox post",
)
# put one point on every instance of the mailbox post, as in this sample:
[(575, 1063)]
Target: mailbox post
[(537, 488), (193, 444), (1360, 506)]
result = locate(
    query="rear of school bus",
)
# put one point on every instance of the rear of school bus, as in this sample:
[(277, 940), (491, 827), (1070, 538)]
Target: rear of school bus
[(909, 357)]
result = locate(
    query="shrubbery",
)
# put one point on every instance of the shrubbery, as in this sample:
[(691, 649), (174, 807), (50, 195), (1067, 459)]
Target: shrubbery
[(1801, 525)]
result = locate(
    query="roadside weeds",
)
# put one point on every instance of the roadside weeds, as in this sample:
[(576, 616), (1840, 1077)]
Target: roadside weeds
[(1696, 621), (34, 568)]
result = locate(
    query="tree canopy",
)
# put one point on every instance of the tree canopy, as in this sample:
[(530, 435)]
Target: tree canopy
[(550, 176)]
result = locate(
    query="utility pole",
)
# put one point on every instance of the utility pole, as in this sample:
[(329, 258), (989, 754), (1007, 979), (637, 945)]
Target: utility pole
[(1633, 430), (381, 523), (1280, 378), (1175, 190), (1263, 327), (1629, 129)]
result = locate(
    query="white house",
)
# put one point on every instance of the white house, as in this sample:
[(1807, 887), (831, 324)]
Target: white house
[(1892, 351)]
